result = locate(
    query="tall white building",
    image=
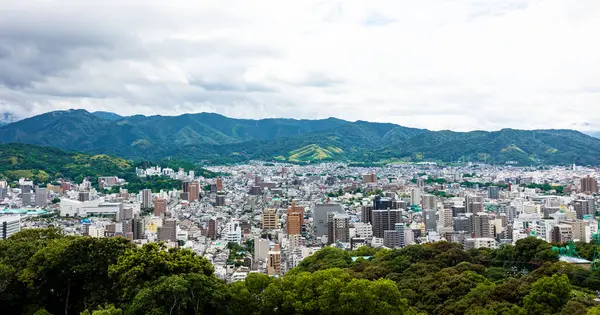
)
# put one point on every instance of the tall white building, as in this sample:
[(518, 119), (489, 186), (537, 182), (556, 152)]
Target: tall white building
[(146, 198), (9, 225), (233, 232), (415, 196)]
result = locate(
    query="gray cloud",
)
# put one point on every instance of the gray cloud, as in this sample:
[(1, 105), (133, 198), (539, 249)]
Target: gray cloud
[(466, 64)]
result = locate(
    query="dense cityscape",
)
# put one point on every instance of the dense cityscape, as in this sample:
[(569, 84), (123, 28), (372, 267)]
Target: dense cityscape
[(266, 218)]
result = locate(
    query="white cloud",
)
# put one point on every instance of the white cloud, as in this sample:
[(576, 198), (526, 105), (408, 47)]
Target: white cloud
[(461, 65)]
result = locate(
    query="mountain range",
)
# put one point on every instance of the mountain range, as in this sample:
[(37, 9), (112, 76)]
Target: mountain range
[(218, 139)]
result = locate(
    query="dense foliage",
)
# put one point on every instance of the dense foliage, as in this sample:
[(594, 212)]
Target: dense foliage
[(45, 272), (218, 139), (45, 164)]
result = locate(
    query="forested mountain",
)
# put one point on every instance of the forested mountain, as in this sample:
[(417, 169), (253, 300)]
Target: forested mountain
[(43, 271), (218, 139)]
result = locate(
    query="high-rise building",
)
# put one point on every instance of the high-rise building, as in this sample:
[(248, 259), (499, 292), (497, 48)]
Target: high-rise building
[(366, 212), (429, 216), (415, 196), (146, 198), (391, 239), (320, 217), (194, 191), (219, 184), (562, 233), (589, 185), (429, 202), (41, 197), (27, 198), (461, 223), (138, 227), (493, 192), (584, 207), (295, 219), (338, 227), (212, 229), (384, 220), (185, 186), (477, 200), (160, 207), (480, 225), (274, 261), (384, 203), (168, 230), (401, 229), (9, 225), (445, 217), (3, 193), (270, 220), (220, 200), (369, 178)]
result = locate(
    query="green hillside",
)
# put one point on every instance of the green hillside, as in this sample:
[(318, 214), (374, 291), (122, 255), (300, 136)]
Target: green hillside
[(45, 164), (218, 139)]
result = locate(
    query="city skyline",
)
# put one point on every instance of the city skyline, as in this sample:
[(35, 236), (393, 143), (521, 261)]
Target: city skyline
[(464, 65)]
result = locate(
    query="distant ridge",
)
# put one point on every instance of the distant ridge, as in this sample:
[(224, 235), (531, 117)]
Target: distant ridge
[(219, 139)]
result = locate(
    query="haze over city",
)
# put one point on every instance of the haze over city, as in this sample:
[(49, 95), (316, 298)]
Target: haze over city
[(459, 65)]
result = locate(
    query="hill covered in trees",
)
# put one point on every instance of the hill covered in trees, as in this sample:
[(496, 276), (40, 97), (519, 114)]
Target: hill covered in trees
[(220, 139), (46, 164), (45, 272)]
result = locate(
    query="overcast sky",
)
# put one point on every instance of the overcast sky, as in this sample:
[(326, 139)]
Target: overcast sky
[(437, 64)]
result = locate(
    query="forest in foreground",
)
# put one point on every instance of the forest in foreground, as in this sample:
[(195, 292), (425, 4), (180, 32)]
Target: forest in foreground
[(45, 272)]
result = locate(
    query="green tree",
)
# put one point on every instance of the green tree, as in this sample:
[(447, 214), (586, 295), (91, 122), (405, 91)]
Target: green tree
[(548, 295), (138, 266)]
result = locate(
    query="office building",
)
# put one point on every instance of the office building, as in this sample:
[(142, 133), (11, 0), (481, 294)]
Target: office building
[(220, 200), (584, 207), (168, 230), (589, 185), (321, 215), (445, 217), (338, 227), (391, 239), (363, 230), (185, 187), (474, 204), (384, 220), (219, 184), (369, 178), (146, 198), (75, 208), (233, 232), (366, 212), (160, 207), (41, 197), (27, 198), (270, 219), (402, 230), (194, 191), (562, 233), (138, 228), (383, 203), (295, 219), (429, 202), (212, 229), (9, 225), (480, 225), (461, 223), (429, 216), (415, 196), (3, 193), (274, 261), (261, 249), (494, 192)]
